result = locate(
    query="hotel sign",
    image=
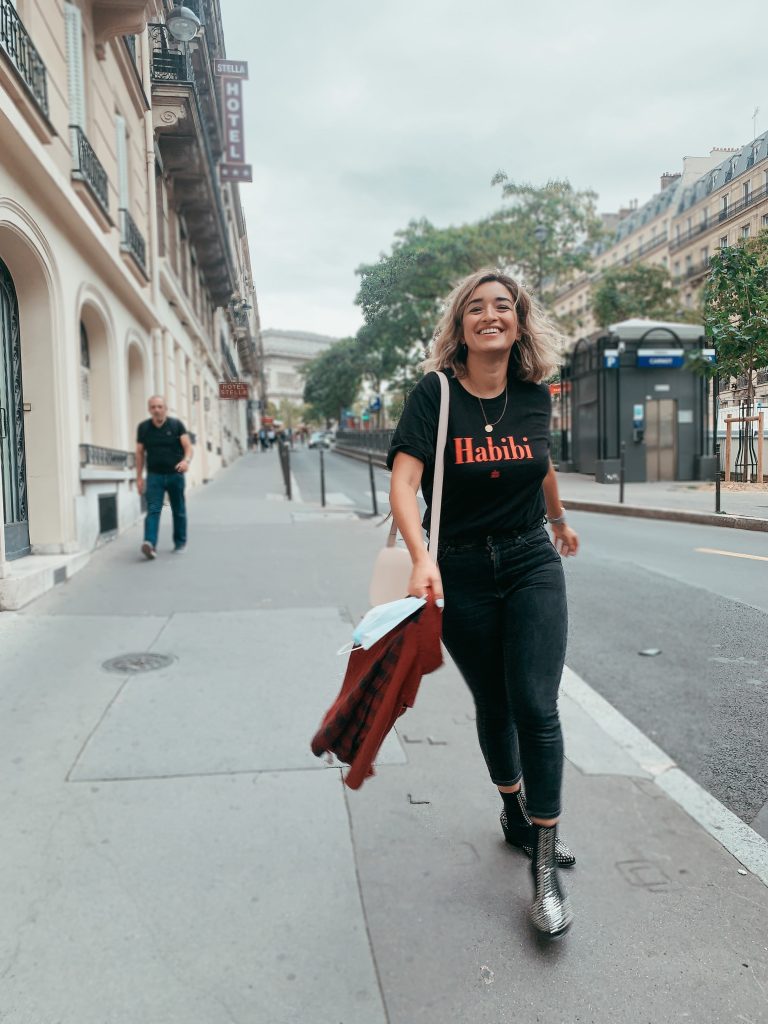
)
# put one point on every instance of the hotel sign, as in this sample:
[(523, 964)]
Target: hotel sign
[(232, 73), (232, 390)]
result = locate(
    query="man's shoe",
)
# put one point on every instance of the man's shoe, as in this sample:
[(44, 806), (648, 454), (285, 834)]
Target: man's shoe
[(148, 551), (179, 548)]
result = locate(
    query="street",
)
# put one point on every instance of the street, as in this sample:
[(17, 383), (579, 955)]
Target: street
[(642, 584), (174, 853)]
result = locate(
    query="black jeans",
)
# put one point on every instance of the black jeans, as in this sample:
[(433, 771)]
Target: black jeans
[(505, 624)]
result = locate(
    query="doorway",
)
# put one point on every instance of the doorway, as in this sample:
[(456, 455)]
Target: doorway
[(12, 450), (660, 439)]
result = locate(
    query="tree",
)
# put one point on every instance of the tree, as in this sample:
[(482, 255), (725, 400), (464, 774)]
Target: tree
[(634, 291), (332, 379), (543, 233), (736, 310)]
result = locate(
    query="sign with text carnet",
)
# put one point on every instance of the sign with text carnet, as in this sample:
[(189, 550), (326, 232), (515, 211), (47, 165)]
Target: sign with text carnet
[(232, 74), (233, 389)]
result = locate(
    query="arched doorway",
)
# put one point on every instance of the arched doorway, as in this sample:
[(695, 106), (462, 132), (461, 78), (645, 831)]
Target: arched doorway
[(12, 449)]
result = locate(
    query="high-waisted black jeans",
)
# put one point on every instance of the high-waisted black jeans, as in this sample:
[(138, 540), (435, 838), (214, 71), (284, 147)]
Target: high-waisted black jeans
[(505, 624)]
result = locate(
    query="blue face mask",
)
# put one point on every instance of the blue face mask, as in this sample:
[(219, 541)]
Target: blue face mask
[(384, 617)]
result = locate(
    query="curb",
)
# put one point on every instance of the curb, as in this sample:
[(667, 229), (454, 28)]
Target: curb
[(674, 515), (733, 834)]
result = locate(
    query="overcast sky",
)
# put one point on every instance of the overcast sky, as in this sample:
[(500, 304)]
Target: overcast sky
[(361, 116)]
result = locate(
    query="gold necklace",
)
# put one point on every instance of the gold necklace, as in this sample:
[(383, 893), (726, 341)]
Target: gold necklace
[(489, 426)]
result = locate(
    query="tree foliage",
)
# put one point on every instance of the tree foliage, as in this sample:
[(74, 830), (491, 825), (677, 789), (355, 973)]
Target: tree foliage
[(736, 308), (634, 291), (566, 220), (332, 379)]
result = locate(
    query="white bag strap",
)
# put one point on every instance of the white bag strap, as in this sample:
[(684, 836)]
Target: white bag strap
[(437, 483)]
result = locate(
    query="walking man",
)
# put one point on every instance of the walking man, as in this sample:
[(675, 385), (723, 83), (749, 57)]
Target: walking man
[(164, 442)]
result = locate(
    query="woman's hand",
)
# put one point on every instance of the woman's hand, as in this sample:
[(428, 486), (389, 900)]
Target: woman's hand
[(565, 539), (425, 578)]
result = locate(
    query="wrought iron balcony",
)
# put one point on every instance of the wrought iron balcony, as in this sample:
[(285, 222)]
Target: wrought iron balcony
[(686, 236), (106, 458), (736, 208), (15, 41), (132, 240), (87, 167)]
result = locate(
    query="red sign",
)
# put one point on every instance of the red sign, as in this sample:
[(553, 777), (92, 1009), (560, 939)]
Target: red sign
[(233, 389), (235, 172), (225, 67)]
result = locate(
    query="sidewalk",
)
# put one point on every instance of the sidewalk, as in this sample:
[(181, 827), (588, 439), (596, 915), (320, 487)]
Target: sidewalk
[(172, 852)]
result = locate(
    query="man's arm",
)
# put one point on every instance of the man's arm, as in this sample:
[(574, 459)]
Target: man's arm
[(185, 463), (140, 468)]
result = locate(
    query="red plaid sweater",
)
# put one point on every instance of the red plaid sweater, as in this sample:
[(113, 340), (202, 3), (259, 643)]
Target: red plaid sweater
[(378, 686)]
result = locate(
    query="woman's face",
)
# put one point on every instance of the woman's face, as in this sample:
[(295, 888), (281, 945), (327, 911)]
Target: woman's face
[(490, 322)]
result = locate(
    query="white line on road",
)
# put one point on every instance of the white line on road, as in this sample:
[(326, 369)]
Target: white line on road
[(746, 845), (732, 554)]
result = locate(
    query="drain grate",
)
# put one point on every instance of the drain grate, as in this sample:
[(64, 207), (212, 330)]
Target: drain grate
[(144, 661)]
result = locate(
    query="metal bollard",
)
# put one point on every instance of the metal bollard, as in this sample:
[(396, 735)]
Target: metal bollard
[(374, 499), (322, 477), (717, 479), (622, 469)]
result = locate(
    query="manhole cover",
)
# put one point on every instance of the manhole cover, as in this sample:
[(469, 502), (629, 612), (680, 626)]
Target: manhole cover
[(142, 662)]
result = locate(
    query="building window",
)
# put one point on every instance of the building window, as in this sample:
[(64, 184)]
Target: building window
[(764, 220), (724, 206), (746, 189), (724, 242), (85, 355), (745, 230), (704, 253), (704, 218)]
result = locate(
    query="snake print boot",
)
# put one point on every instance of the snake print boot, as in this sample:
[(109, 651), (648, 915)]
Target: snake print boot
[(550, 912)]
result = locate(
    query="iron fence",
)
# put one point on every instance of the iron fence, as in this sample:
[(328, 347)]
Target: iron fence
[(16, 42), (365, 440), (88, 168), (132, 240)]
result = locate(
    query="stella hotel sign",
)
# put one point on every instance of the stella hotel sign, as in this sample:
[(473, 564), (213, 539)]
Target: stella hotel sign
[(232, 74)]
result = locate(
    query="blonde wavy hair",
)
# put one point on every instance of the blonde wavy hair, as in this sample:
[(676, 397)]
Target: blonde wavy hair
[(538, 350)]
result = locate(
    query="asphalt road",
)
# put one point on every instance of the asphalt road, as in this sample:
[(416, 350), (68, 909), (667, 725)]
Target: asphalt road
[(697, 594)]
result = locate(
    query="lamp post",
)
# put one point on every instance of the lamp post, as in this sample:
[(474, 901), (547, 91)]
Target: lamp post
[(540, 233)]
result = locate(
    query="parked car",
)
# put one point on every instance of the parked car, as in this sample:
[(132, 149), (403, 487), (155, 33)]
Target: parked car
[(319, 439)]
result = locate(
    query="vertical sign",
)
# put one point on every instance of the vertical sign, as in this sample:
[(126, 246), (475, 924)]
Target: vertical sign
[(232, 73)]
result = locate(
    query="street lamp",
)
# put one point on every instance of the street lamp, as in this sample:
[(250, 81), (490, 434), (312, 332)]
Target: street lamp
[(540, 233), (183, 24)]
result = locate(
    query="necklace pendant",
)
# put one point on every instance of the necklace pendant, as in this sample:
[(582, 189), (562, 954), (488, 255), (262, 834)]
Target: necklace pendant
[(489, 428)]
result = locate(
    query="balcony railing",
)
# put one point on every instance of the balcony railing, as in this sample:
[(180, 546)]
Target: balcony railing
[(132, 240), (15, 41), (87, 167), (106, 458), (679, 242), (733, 210)]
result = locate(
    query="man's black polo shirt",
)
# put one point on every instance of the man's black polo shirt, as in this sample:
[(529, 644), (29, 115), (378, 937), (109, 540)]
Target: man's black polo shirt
[(162, 444)]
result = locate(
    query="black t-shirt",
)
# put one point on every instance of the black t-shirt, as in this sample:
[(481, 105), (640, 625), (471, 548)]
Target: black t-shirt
[(162, 444), (492, 481)]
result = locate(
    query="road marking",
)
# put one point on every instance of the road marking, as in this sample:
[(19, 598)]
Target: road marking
[(338, 498), (732, 554)]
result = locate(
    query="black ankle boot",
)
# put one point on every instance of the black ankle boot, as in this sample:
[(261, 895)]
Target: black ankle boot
[(551, 912), (518, 830)]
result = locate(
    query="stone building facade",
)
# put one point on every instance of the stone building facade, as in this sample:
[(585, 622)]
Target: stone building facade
[(124, 269), (284, 354)]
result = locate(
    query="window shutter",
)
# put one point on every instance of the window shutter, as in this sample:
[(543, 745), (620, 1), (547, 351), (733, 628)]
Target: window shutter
[(122, 161), (75, 76)]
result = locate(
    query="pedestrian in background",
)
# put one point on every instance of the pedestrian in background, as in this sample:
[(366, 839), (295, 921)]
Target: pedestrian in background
[(164, 444), (505, 615)]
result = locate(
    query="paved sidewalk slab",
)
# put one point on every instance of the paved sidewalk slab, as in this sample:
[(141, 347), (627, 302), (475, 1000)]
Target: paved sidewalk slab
[(245, 694)]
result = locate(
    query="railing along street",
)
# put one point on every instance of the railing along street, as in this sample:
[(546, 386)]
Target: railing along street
[(87, 167), (16, 42), (132, 240), (111, 458), (364, 440)]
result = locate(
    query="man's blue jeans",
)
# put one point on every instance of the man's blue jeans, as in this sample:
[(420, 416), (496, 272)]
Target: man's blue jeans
[(157, 485)]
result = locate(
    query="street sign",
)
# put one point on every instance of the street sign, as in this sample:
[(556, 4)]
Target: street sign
[(375, 404), (233, 390), (669, 358), (610, 358)]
